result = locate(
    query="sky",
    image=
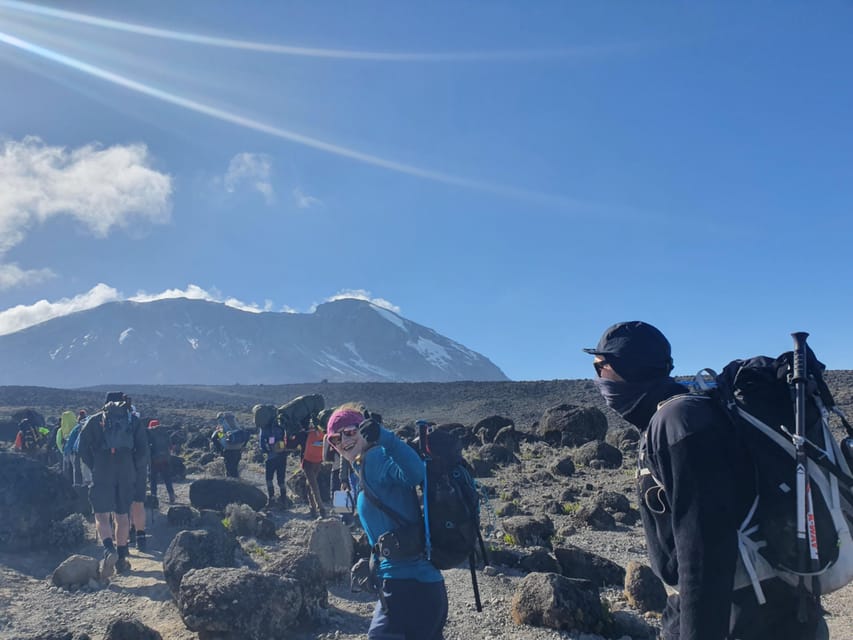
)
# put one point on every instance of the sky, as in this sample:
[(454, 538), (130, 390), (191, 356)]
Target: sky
[(516, 176)]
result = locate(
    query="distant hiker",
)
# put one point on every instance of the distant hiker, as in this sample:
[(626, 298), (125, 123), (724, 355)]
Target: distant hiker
[(229, 439), (698, 489), (29, 438), (272, 441), (82, 473), (312, 462), (67, 422), (412, 596), (114, 446), (159, 444)]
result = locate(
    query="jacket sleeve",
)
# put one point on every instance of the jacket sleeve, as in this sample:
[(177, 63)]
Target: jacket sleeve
[(403, 465), (700, 485), (59, 439)]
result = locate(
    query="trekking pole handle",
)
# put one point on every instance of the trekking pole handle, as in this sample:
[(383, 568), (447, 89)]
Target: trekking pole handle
[(799, 356)]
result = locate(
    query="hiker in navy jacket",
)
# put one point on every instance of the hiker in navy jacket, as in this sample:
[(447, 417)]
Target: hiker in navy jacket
[(695, 487), (413, 598)]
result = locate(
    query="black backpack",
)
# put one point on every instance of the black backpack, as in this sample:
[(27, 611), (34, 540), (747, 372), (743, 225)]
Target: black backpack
[(118, 423), (758, 395)]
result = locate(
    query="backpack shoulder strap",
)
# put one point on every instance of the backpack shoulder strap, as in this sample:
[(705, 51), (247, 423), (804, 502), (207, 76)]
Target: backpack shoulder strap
[(370, 495)]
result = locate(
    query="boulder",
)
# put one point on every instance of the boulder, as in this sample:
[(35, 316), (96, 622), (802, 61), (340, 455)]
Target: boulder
[(564, 467), (332, 542), (489, 457), (539, 560), (556, 602), (488, 428), (595, 517), (624, 439), (33, 498), (598, 455), (217, 493), (182, 516), (74, 572), (510, 438), (529, 531), (238, 603), (578, 563), (129, 628), (197, 549), (643, 589), (304, 567), (567, 425)]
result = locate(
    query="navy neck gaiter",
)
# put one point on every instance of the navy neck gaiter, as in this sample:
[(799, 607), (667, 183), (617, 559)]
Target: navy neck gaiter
[(637, 402)]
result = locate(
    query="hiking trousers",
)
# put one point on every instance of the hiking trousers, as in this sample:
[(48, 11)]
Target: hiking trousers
[(232, 462), (162, 468), (275, 467), (415, 611), (311, 471)]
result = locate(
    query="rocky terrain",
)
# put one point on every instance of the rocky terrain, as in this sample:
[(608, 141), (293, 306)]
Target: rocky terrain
[(556, 507)]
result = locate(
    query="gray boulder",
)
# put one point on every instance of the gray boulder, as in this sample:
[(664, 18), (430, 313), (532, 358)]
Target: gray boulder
[(195, 550), (529, 531), (180, 515), (510, 438), (556, 602), (217, 493), (33, 498), (489, 457), (598, 455), (332, 542), (595, 517), (239, 603), (567, 425), (624, 439), (643, 589), (564, 467), (75, 571), (304, 567), (539, 560), (129, 628), (488, 428), (578, 563)]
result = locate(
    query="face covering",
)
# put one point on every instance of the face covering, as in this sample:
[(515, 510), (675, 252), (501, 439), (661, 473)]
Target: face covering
[(637, 401)]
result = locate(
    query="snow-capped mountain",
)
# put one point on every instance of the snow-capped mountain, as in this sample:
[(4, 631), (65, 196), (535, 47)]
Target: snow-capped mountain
[(180, 341)]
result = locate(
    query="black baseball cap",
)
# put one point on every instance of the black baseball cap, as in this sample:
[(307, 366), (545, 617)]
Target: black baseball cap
[(635, 350)]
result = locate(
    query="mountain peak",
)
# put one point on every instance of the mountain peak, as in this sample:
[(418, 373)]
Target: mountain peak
[(184, 341)]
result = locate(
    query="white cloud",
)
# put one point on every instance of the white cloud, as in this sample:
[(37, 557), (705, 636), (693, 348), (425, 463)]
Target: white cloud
[(102, 188), (21, 316), (304, 201), (11, 275), (253, 169), (362, 294)]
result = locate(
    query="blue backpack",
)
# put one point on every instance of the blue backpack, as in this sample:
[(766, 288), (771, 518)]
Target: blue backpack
[(72, 442)]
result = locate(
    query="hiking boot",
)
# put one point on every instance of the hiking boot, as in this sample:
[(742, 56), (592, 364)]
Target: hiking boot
[(122, 565), (108, 564), (131, 536), (141, 541), (285, 502)]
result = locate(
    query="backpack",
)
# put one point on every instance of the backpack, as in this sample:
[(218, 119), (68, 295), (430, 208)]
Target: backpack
[(263, 415), (117, 423), (296, 415), (71, 442), (234, 436), (160, 444), (449, 526), (758, 396)]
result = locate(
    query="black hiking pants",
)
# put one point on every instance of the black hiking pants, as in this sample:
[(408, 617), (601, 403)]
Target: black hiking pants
[(276, 468), (232, 462)]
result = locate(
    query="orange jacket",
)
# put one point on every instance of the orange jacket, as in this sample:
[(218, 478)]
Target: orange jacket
[(313, 446)]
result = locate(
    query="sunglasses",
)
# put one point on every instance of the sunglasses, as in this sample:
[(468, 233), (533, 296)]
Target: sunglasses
[(599, 366), (335, 438)]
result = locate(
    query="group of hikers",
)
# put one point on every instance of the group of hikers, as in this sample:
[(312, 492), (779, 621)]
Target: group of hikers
[(702, 488)]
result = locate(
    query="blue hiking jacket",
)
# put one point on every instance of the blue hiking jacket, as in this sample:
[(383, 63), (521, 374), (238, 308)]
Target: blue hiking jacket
[(392, 470)]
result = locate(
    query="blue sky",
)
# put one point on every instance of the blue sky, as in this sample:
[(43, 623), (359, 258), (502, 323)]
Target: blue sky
[(515, 175)]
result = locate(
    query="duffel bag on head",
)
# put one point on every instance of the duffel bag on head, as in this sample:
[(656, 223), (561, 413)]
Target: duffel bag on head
[(263, 415), (296, 415), (236, 438)]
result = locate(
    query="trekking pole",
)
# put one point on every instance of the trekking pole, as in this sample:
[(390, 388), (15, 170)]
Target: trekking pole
[(806, 534), (423, 446)]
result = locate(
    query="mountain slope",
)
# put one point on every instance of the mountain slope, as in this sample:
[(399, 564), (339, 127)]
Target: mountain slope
[(181, 341)]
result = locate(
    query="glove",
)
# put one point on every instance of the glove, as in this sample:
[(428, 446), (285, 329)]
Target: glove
[(369, 430)]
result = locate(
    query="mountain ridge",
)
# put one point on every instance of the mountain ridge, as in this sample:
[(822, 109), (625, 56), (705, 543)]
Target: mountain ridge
[(181, 341)]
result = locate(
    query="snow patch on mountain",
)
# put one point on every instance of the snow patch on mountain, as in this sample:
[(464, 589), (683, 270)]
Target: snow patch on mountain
[(391, 317), (434, 353)]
